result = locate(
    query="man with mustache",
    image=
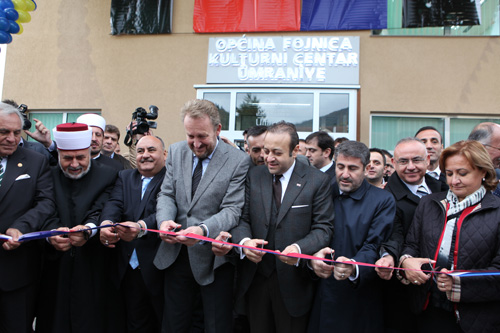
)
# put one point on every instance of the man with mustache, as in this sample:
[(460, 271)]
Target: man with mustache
[(348, 298), (75, 269), (202, 193), (96, 123), (133, 204), (408, 184)]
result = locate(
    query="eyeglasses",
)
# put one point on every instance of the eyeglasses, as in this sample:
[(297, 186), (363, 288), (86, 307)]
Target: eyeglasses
[(491, 146), (415, 160)]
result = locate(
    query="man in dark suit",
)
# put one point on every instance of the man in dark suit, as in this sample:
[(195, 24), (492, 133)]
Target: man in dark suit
[(350, 301), (133, 204), (75, 273), (319, 150), (408, 184), (202, 193), (295, 217), (111, 137), (26, 201), (433, 142)]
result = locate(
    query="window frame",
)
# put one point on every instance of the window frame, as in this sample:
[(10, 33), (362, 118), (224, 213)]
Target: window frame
[(237, 135), (447, 122)]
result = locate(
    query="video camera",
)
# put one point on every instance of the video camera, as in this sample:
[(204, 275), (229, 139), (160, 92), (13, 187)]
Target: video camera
[(23, 108), (141, 118)]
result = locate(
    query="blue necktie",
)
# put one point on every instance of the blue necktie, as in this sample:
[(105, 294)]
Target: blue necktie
[(134, 261), (145, 183)]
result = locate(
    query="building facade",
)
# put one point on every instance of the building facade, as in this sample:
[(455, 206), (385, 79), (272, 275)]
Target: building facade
[(66, 62)]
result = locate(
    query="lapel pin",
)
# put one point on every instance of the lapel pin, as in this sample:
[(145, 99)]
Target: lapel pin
[(299, 185), (19, 165)]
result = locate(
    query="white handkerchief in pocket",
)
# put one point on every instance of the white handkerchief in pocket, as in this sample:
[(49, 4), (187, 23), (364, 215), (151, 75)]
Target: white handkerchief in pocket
[(21, 177), (300, 206)]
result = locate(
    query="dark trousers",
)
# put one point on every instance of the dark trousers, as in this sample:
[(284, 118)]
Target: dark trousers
[(183, 293), (17, 309), (266, 310), (142, 314), (435, 320)]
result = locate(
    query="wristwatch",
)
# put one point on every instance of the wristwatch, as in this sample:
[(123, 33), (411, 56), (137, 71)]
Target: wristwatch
[(141, 231)]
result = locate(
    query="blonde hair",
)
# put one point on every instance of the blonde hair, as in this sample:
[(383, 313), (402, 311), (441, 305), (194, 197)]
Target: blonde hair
[(199, 108), (477, 156)]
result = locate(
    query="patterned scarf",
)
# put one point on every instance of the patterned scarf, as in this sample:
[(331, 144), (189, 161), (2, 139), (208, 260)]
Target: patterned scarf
[(456, 207)]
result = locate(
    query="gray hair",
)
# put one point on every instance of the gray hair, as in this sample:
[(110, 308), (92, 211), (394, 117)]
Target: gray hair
[(411, 139), (7, 109), (354, 149), (482, 133)]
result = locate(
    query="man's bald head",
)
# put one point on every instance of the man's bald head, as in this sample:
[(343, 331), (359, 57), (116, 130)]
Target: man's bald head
[(488, 134)]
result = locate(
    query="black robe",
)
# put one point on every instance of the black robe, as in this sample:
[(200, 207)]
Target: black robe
[(77, 292)]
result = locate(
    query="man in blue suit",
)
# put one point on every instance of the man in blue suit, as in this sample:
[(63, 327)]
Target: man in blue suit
[(348, 298)]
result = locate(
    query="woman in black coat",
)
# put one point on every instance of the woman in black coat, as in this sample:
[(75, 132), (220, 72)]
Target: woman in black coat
[(457, 230)]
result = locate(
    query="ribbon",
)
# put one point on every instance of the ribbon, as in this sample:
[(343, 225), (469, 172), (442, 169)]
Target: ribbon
[(48, 233), (310, 257)]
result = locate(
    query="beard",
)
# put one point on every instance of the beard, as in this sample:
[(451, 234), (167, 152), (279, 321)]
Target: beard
[(73, 176)]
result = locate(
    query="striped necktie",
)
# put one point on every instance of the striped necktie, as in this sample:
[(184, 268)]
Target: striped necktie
[(2, 170), (198, 172), (422, 191)]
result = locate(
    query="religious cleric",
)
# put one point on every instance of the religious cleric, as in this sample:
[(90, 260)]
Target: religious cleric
[(75, 270)]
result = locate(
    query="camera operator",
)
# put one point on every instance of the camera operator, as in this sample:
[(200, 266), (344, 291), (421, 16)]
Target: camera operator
[(138, 128)]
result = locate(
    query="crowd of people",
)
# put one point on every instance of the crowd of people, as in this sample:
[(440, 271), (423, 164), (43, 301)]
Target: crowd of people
[(408, 242)]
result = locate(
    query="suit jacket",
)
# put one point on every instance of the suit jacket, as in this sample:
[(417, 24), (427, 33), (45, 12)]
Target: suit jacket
[(39, 148), (217, 203), (406, 203), (26, 201), (363, 220), (125, 162), (105, 160), (331, 172), (125, 204), (305, 218), (303, 159)]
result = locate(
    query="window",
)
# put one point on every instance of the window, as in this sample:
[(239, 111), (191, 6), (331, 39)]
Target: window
[(310, 109), (387, 130), (53, 118), (418, 16)]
